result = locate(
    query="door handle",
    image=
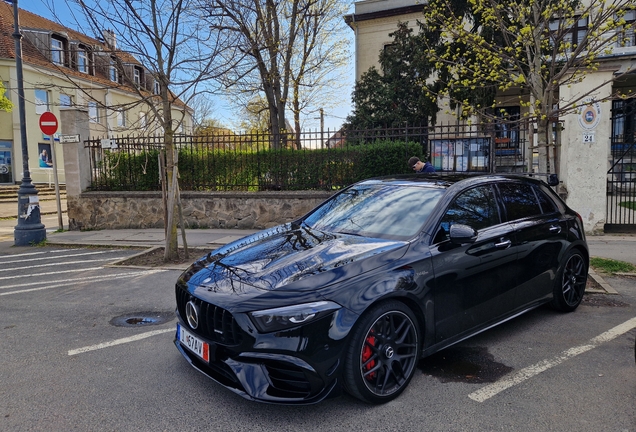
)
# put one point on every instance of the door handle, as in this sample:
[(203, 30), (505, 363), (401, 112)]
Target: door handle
[(556, 229), (504, 244)]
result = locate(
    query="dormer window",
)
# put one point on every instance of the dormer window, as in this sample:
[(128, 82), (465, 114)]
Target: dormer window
[(57, 51), (157, 89), (82, 60), (113, 73), (137, 76)]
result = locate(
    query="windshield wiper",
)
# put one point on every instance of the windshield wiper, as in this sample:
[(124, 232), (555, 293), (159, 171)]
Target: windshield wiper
[(350, 233)]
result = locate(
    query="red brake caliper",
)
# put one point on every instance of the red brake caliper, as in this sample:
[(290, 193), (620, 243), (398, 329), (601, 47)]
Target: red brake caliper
[(367, 352)]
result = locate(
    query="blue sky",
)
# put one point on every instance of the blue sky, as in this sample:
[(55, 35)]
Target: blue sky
[(58, 10)]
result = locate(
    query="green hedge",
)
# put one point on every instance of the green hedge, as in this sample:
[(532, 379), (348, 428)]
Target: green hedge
[(205, 169)]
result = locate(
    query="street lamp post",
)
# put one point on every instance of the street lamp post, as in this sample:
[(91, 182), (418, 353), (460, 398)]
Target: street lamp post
[(30, 229)]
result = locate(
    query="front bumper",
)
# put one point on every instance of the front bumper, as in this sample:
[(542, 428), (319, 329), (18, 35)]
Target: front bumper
[(299, 365), (268, 378)]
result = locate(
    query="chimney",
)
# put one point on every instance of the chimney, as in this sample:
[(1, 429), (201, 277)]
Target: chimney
[(110, 39)]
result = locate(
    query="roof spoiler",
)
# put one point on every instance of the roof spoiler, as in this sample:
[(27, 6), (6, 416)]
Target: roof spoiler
[(551, 179)]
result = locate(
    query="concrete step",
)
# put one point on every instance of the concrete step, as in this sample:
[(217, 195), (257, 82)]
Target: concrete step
[(10, 193)]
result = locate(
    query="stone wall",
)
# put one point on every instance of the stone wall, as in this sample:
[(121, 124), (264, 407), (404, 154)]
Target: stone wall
[(239, 210)]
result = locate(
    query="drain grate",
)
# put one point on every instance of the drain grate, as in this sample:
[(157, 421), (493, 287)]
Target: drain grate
[(138, 319)]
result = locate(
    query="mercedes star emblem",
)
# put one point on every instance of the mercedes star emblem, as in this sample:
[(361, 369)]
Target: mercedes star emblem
[(192, 314)]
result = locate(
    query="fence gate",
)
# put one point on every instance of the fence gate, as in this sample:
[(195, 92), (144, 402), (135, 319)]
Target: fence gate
[(621, 177)]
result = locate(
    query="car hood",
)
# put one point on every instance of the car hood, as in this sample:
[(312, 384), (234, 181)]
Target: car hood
[(289, 258)]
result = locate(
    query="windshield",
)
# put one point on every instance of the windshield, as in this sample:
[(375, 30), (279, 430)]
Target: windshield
[(377, 210)]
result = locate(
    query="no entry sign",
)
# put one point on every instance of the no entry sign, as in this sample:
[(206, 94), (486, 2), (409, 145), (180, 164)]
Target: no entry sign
[(48, 123)]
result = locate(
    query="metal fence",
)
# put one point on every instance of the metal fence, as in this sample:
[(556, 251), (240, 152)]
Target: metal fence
[(621, 177), (308, 160)]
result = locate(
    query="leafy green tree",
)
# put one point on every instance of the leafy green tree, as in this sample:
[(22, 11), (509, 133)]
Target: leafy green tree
[(5, 103), (530, 48), (398, 93)]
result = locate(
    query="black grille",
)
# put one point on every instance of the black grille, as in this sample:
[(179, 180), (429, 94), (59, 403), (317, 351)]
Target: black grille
[(287, 380), (215, 323)]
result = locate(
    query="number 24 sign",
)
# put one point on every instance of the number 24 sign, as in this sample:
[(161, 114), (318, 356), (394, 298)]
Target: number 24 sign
[(588, 137)]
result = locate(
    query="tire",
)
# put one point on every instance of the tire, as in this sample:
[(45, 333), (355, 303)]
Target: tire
[(383, 353), (570, 284)]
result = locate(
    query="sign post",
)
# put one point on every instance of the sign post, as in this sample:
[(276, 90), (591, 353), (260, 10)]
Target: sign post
[(48, 126)]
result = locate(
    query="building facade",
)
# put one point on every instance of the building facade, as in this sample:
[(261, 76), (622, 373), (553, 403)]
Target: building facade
[(93, 88), (595, 145)]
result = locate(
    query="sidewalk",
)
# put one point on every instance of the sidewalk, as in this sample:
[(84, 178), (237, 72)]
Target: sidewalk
[(620, 247), (149, 237), (617, 247), (608, 246)]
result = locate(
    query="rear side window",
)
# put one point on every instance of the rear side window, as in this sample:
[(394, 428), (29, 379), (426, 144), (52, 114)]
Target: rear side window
[(476, 207), (547, 205), (519, 200)]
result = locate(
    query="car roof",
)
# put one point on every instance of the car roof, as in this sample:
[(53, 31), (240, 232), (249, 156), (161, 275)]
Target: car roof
[(445, 180)]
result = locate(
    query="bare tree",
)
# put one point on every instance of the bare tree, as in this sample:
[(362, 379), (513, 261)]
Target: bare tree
[(204, 107), (288, 51), (168, 40), (317, 69)]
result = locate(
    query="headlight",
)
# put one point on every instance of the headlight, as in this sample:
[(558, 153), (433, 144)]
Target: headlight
[(270, 320)]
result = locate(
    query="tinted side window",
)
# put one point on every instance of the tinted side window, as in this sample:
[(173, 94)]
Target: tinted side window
[(475, 207), (547, 205), (519, 200)]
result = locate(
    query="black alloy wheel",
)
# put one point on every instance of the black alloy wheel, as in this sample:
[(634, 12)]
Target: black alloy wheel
[(570, 284), (384, 352)]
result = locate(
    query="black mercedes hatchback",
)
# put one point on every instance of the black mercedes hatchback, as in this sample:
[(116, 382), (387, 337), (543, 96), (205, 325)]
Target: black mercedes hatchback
[(385, 272)]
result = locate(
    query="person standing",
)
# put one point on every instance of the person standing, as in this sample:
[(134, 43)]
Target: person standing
[(421, 167)]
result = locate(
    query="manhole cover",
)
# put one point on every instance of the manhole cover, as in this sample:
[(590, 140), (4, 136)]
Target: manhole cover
[(138, 319)]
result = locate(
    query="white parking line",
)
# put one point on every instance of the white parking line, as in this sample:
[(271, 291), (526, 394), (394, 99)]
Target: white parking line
[(120, 341), (58, 272), (51, 256), (32, 253), (103, 278), (57, 264), (491, 390), (79, 279)]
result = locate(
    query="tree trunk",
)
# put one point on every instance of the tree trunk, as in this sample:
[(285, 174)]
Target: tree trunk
[(172, 242), (543, 142)]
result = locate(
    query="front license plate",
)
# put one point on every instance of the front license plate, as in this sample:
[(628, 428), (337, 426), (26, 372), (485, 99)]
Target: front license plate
[(193, 343)]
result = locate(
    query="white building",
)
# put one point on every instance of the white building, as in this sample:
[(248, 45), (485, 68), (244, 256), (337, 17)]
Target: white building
[(94, 90), (597, 152)]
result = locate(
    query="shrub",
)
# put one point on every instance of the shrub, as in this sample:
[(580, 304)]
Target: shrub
[(202, 168)]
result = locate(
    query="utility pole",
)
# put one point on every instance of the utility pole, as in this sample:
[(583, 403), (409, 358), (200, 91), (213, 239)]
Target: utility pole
[(322, 127), (30, 230)]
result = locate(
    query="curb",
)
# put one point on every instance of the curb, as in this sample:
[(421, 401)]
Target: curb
[(180, 267), (626, 274), (606, 288)]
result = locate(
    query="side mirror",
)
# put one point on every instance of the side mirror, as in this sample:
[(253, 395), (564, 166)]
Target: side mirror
[(462, 234), (553, 180)]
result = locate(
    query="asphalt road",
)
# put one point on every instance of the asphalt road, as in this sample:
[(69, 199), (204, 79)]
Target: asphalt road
[(67, 363)]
